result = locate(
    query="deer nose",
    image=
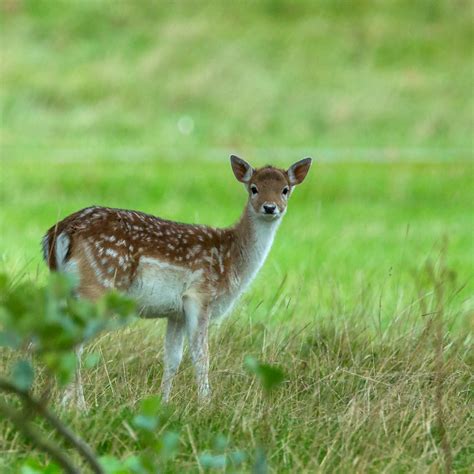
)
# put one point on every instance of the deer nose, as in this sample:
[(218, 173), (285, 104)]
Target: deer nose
[(269, 208)]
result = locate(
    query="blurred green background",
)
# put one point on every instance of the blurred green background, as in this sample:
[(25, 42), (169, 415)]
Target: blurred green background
[(339, 75), (138, 104)]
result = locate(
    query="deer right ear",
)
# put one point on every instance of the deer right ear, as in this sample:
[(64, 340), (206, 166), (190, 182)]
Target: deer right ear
[(298, 171), (242, 170)]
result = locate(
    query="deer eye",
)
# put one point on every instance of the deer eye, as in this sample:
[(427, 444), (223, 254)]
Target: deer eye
[(254, 189), (285, 190)]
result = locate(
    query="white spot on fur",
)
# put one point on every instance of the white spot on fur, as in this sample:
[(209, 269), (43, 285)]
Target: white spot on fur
[(194, 250), (98, 273), (87, 212)]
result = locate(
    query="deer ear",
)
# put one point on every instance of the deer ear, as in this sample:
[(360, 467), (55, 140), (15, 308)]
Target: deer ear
[(242, 170), (298, 171)]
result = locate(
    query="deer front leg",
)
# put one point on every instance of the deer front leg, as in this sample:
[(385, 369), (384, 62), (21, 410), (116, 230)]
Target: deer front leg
[(197, 324), (173, 354)]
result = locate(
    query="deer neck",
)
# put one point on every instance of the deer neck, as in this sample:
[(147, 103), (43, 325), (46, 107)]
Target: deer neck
[(253, 239)]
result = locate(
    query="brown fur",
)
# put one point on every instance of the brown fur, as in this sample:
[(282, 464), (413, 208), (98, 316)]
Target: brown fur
[(270, 183), (95, 232), (135, 234)]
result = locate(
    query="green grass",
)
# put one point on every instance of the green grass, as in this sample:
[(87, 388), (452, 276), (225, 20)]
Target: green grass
[(350, 402), (353, 233), (344, 305), (270, 74), (97, 103)]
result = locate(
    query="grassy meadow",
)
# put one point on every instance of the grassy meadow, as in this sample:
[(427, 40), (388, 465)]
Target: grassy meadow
[(366, 300)]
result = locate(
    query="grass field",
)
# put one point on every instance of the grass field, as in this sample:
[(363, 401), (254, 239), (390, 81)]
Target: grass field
[(130, 106), (344, 305), (268, 74)]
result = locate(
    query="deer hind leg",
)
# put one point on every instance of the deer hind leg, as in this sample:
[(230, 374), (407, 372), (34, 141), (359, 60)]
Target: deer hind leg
[(74, 393), (173, 354), (88, 286), (197, 324)]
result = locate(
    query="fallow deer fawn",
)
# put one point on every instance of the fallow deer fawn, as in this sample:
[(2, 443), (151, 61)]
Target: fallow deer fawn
[(190, 274)]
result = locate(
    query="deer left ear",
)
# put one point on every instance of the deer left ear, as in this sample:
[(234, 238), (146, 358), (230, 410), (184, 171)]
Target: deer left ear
[(298, 171), (242, 170)]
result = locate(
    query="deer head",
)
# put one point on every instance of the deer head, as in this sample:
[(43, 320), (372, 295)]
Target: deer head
[(269, 188)]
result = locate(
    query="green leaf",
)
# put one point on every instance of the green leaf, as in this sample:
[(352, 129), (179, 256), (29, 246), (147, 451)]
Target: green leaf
[(62, 364), (60, 285), (112, 465), (260, 465), (119, 304), (237, 458), (94, 327), (221, 443), (251, 364), (23, 375), (31, 470), (150, 406), (31, 466), (210, 461), (147, 423), (170, 441), (51, 468), (134, 464), (10, 339), (268, 375)]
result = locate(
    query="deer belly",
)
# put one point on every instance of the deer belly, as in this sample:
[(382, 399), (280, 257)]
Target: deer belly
[(158, 288), (223, 305)]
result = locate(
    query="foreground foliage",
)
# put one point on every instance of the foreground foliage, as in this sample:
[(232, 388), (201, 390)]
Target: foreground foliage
[(349, 400), (52, 323)]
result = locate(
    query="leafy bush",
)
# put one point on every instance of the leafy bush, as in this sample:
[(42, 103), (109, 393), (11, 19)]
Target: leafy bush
[(50, 323)]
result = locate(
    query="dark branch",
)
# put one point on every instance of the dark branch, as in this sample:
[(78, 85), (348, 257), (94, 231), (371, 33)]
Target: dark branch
[(38, 440), (74, 440)]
